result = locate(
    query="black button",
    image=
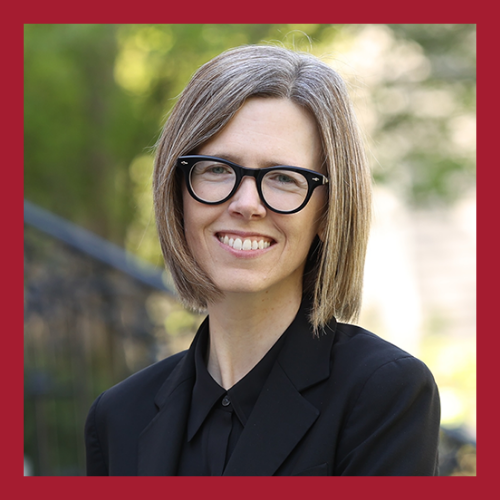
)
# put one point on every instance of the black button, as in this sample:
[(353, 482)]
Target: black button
[(225, 401)]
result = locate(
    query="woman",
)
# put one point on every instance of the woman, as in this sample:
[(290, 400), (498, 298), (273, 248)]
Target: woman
[(262, 199)]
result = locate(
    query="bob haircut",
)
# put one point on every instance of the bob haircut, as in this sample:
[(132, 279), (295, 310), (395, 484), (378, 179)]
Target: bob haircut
[(333, 276)]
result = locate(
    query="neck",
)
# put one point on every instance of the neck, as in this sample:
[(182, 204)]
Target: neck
[(242, 330)]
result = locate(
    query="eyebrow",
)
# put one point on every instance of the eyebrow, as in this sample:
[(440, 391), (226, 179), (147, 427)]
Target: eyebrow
[(237, 160)]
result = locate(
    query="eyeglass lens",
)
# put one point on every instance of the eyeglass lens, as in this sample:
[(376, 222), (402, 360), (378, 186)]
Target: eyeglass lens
[(283, 190)]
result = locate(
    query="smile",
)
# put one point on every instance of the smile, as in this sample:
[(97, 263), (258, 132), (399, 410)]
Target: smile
[(244, 244)]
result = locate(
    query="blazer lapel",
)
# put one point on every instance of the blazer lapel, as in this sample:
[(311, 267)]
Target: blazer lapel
[(270, 434), (281, 415), (161, 441)]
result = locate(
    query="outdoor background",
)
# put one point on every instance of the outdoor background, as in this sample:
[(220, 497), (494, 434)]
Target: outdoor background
[(96, 97)]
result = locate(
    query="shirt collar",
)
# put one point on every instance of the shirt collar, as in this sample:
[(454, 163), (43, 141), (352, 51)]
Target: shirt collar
[(243, 395)]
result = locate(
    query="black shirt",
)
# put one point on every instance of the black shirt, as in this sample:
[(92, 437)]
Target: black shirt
[(217, 417)]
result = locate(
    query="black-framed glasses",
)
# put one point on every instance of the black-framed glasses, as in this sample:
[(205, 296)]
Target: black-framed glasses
[(282, 189)]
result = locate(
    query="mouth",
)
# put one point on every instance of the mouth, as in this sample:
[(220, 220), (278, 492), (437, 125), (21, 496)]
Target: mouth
[(247, 243)]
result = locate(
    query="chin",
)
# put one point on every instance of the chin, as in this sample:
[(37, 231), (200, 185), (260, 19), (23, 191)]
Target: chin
[(238, 284), (241, 288)]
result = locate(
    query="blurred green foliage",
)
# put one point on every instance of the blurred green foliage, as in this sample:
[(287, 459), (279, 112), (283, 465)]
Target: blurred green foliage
[(96, 97)]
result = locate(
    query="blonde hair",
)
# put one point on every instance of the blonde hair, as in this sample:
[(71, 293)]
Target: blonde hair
[(334, 271)]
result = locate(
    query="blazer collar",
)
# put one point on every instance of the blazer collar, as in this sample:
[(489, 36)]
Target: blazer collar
[(305, 358), (265, 442)]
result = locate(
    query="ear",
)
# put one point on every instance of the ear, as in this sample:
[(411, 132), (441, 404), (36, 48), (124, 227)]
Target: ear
[(323, 223), (322, 229)]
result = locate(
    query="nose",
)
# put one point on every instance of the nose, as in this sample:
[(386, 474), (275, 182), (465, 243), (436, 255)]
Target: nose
[(246, 201)]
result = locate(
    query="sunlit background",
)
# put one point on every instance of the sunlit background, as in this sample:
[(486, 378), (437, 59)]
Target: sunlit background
[(96, 97)]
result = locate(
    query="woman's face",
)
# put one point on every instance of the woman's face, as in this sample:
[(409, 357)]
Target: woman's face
[(264, 132)]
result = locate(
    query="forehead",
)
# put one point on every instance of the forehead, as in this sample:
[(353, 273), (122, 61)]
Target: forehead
[(268, 131)]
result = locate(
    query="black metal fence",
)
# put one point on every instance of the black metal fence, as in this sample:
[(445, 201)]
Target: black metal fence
[(93, 316)]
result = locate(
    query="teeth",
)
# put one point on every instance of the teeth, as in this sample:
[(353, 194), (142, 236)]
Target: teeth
[(247, 244)]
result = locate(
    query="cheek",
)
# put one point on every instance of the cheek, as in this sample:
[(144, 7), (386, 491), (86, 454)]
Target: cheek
[(300, 236), (198, 220)]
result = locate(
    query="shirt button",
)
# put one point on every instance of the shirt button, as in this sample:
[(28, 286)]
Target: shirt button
[(225, 401)]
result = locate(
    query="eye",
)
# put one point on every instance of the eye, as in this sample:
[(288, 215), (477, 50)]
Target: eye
[(218, 169), (281, 178), (211, 169), (285, 179)]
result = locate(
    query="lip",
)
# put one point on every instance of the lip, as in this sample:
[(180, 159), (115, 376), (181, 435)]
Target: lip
[(245, 235)]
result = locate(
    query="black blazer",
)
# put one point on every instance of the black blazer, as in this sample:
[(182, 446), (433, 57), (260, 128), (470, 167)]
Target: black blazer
[(347, 403)]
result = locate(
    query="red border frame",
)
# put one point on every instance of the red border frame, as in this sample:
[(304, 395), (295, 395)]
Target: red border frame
[(11, 201)]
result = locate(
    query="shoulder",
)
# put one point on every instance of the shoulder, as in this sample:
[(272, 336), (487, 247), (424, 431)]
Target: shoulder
[(365, 349), (390, 405), (139, 387), (120, 414), (365, 361)]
